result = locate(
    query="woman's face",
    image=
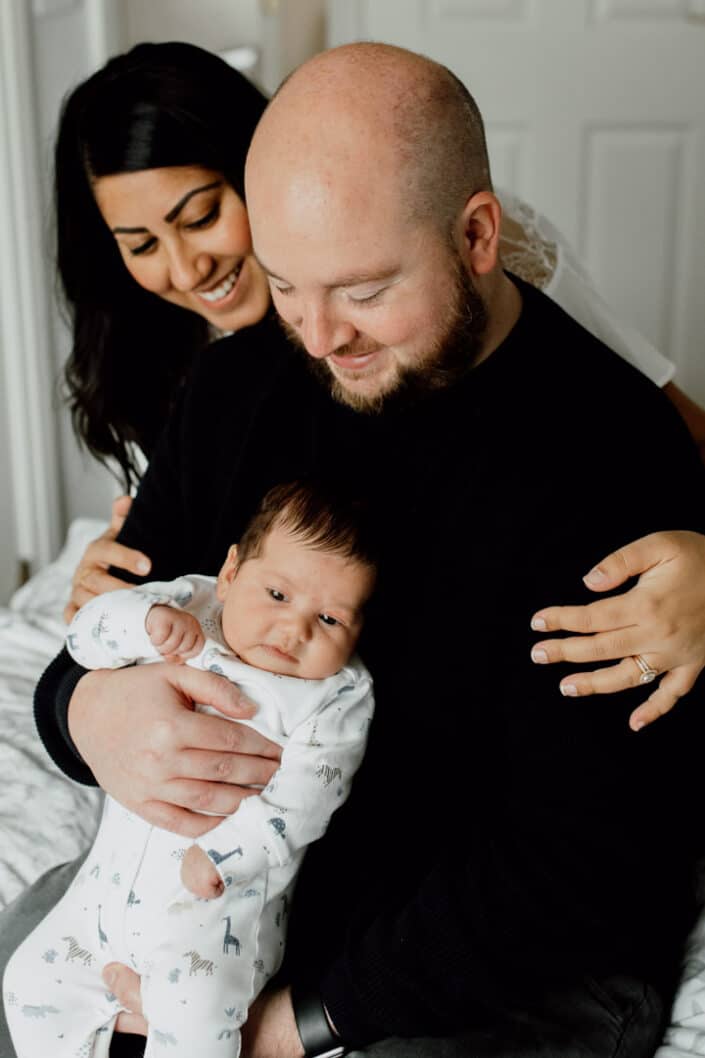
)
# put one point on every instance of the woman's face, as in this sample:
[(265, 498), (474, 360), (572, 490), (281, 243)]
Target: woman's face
[(183, 234)]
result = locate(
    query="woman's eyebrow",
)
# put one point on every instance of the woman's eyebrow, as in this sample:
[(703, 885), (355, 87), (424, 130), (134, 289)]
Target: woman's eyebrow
[(174, 212)]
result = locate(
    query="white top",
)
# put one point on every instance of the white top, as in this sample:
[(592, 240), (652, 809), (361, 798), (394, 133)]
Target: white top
[(540, 255)]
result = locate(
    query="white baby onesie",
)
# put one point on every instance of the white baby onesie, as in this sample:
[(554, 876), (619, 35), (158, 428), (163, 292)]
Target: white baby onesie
[(202, 962)]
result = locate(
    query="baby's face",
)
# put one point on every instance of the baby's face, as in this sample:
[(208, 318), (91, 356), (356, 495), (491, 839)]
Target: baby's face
[(293, 610)]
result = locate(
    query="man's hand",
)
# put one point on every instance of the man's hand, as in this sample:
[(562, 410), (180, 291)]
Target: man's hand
[(91, 577), (137, 731), (269, 1032), (662, 618), (174, 633), (199, 875)]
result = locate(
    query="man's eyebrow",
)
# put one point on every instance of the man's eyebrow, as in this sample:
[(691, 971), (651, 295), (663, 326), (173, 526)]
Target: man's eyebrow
[(174, 212), (353, 280)]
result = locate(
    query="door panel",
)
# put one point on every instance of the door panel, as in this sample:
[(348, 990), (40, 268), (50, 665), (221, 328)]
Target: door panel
[(595, 113)]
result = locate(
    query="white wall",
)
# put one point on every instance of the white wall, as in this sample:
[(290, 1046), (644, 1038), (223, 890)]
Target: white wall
[(71, 38), (213, 24)]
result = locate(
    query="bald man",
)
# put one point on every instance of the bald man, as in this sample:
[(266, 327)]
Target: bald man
[(512, 874), (510, 930)]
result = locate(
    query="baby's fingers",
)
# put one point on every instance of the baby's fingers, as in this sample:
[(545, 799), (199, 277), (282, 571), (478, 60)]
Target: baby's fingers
[(672, 687)]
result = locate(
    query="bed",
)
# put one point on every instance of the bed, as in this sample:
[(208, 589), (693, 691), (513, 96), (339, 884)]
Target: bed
[(45, 818)]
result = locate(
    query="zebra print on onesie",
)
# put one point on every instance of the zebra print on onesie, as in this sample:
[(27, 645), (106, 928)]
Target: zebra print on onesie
[(202, 962)]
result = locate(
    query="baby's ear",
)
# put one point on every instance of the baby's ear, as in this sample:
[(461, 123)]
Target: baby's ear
[(227, 572)]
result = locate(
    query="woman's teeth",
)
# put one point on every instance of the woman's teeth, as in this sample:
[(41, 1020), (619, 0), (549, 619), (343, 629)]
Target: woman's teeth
[(224, 288)]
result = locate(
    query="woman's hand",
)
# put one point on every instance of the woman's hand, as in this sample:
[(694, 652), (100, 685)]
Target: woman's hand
[(91, 576), (137, 731), (662, 618)]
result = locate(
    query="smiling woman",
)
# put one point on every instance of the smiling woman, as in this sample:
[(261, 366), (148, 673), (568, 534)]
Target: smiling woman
[(197, 254), (151, 220)]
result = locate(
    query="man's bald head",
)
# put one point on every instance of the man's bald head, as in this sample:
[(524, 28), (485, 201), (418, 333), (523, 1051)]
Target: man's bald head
[(400, 114)]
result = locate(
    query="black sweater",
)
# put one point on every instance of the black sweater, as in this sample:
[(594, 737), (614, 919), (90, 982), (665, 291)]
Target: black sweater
[(499, 838)]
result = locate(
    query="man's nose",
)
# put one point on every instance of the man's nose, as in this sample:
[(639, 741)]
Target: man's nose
[(322, 331), (188, 270)]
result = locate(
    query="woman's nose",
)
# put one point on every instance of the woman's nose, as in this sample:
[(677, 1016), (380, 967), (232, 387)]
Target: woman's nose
[(189, 270)]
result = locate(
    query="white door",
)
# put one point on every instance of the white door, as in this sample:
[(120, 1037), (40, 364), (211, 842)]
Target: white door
[(595, 113)]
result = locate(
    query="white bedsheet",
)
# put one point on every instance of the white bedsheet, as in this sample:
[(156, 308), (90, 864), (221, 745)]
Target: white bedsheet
[(45, 818)]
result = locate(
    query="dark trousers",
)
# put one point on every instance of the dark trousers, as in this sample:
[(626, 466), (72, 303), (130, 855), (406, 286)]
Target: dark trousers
[(614, 1018)]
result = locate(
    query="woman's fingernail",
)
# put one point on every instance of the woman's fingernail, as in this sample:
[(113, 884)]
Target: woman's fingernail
[(538, 624), (569, 690), (637, 725), (143, 565), (110, 977), (539, 656), (595, 577)]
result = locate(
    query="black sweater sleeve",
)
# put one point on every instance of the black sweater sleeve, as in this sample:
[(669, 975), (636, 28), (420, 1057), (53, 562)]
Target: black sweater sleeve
[(164, 519), (572, 838)]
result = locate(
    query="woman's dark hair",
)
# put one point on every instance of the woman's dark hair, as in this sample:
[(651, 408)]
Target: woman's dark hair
[(158, 105)]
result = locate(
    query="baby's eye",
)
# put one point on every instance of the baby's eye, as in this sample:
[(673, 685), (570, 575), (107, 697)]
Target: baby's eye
[(278, 596), (328, 620)]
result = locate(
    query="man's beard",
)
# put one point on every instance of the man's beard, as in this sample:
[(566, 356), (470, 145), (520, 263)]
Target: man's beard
[(450, 358)]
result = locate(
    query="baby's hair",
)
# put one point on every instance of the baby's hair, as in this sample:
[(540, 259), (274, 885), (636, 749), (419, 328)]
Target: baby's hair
[(321, 515)]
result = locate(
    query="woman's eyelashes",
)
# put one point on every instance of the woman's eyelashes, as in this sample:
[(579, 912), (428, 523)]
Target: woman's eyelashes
[(208, 218), (205, 221), (145, 247)]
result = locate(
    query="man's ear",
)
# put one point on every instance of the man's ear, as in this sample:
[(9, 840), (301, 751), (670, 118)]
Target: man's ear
[(227, 572), (479, 225)]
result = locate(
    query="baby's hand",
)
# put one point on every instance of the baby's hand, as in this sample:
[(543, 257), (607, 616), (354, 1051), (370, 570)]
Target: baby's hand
[(174, 633), (199, 875)]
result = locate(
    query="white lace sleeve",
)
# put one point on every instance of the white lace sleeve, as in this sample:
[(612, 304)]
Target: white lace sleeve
[(535, 250)]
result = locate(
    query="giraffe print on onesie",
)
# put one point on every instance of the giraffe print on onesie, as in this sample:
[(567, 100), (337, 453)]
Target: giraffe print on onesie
[(202, 962)]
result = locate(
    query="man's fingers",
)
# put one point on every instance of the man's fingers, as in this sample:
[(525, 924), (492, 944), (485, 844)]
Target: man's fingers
[(177, 820), (212, 797), (671, 688), (211, 689), (226, 768), (595, 616), (132, 1023), (124, 983), (605, 646), (627, 562)]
